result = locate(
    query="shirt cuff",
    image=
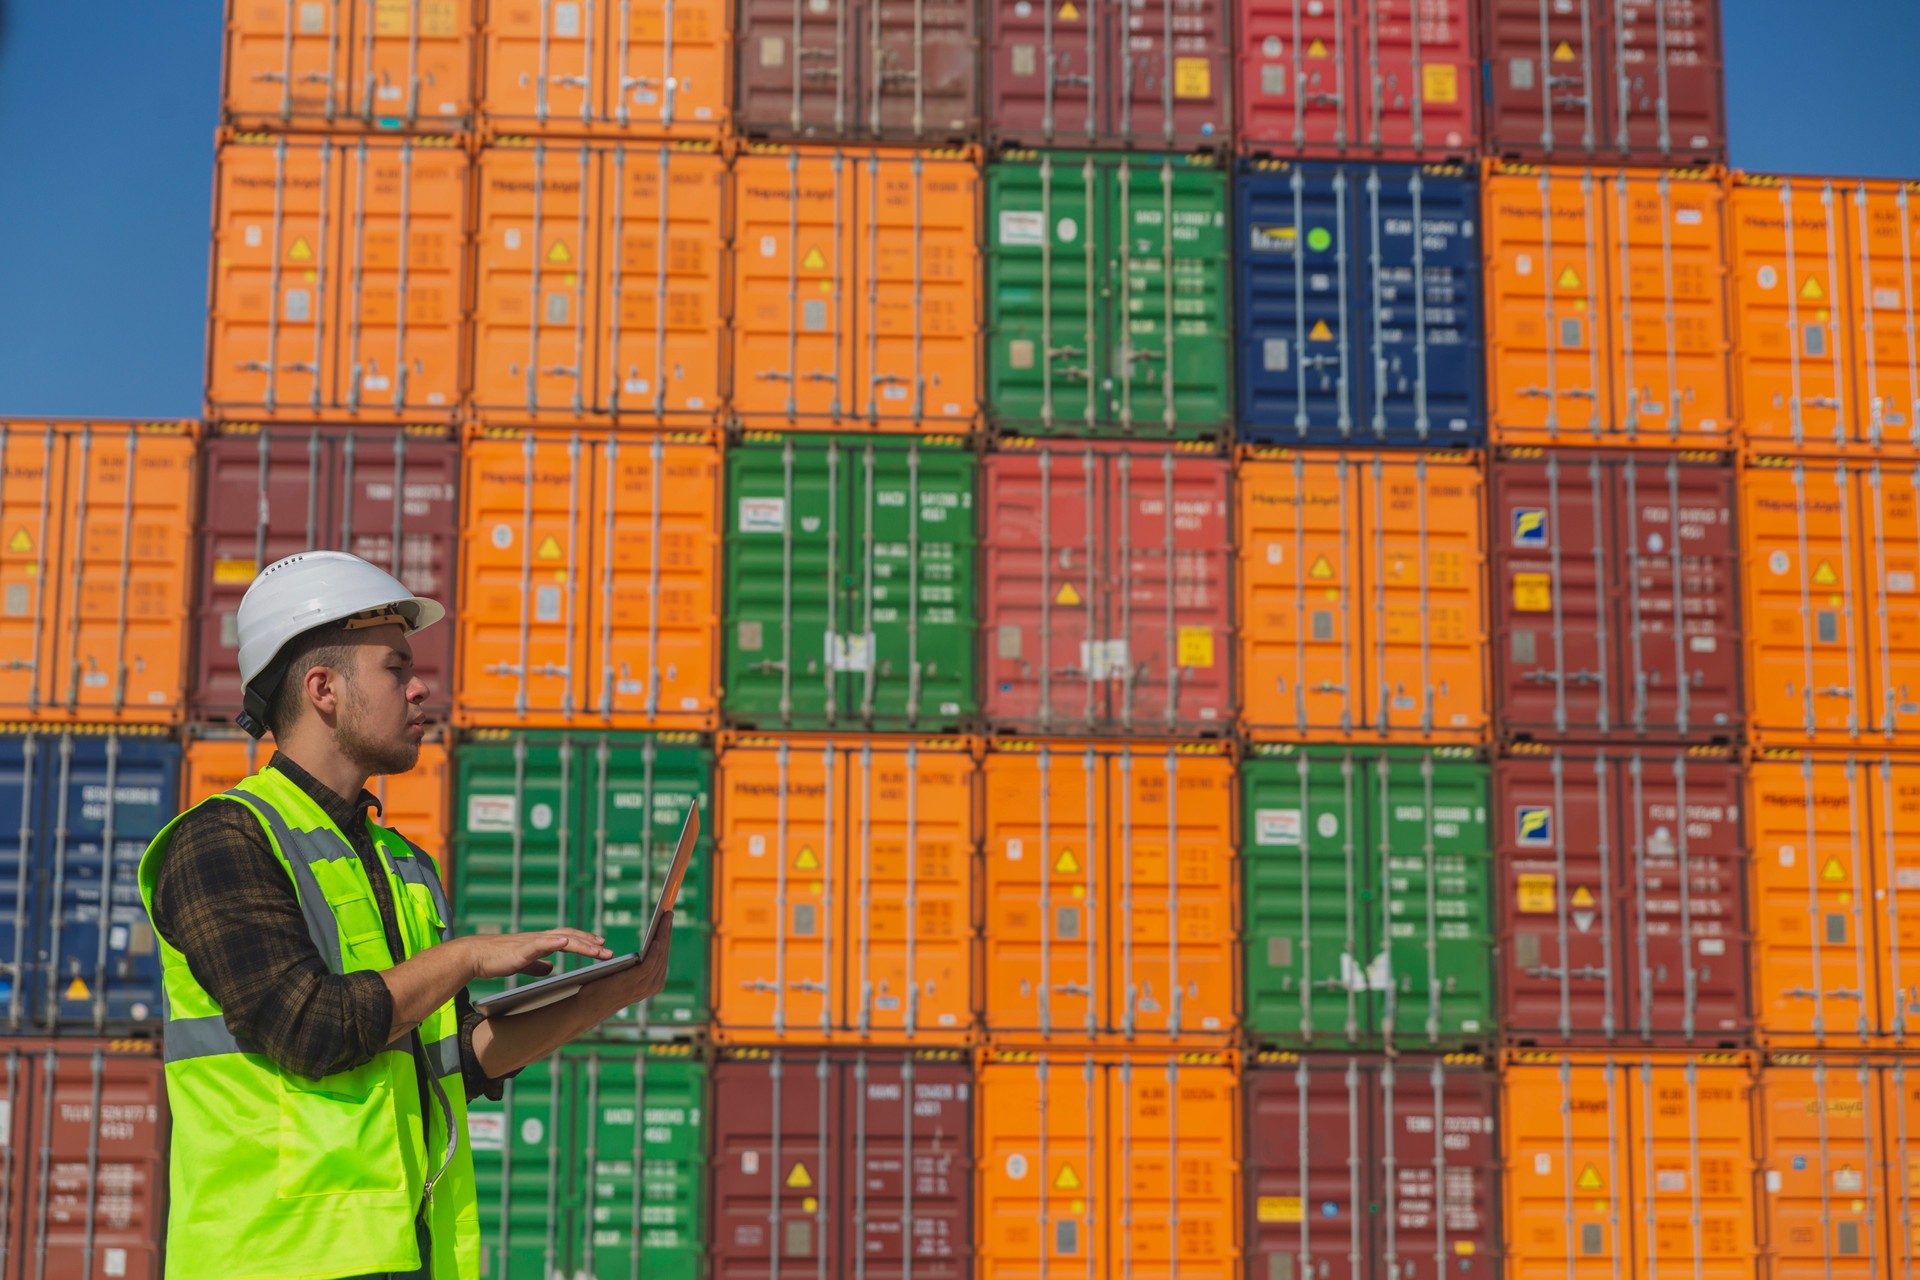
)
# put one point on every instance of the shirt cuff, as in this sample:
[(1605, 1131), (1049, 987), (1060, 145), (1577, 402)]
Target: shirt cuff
[(478, 1083)]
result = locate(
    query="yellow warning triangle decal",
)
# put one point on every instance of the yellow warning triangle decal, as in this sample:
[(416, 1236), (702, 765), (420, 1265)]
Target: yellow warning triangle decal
[(1066, 864), (21, 541), (300, 251), (1811, 290), (804, 860), (1833, 870), (1589, 1179), (1563, 52), (559, 253), (1316, 50), (799, 1177), (1068, 1179), (815, 260), (1067, 595), (1569, 279), (1824, 575), (1321, 569), (77, 990), (1581, 898), (1320, 332), (1068, 13), (550, 549)]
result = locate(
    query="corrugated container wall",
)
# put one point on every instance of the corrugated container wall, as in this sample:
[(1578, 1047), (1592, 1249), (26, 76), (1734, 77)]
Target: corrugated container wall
[(589, 589), (864, 69), (1359, 304), (83, 1188), (846, 907), (850, 596), (350, 65), (1390, 1163), (1614, 81), (1155, 74), (267, 492), (1108, 309), (1361, 79), (598, 284), (1368, 916), (1607, 298), (339, 279), (593, 1160), (1109, 1168), (1122, 927), (846, 1163), (579, 829), (1108, 589), (1362, 607), (855, 298), (1629, 1168), (1616, 609), (619, 67), (1623, 910)]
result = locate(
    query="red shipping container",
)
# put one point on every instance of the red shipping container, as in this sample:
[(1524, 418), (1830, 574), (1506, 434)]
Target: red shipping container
[(390, 497), (1388, 1163), (1616, 596), (1151, 74), (1108, 589), (83, 1129), (1583, 81), (1373, 79), (1623, 917), (843, 1164)]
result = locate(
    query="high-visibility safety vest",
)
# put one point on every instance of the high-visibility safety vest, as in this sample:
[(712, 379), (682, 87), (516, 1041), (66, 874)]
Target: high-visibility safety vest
[(274, 1174)]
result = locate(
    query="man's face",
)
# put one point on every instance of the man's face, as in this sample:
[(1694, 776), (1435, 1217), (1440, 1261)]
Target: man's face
[(380, 723)]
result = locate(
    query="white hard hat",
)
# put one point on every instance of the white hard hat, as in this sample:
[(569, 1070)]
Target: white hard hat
[(308, 590)]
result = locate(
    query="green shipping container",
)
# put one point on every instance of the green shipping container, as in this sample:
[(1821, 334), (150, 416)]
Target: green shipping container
[(1108, 295), (1367, 905), (850, 583), (576, 828), (592, 1166)]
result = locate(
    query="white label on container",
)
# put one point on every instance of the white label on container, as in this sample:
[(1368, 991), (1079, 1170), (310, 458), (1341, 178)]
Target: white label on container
[(1277, 826), (512, 237), (1886, 299), (6, 1126), (1023, 227), (492, 813), (763, 515), (1778, 563), (532, 1131), (1276, 554), (1773, 1180), (849, 653), (252, 236), (1327, 825), (1848, 1181), (1906, 877), (1713, 947), (756, 846), (117, 938), (1672, 1180), (566, 21), (114, 1262), (749, 1162), (546, 604), (1688, 217), (1523, 264), (1768, 277), (1016, 1166), (487, 1130), (1068, 229), (1103, 659), (1542, 1163), (502, 536), (1900, 582), (1016, 849), (1703, 644), (542, 816), (1271, 46), (1786, 855)]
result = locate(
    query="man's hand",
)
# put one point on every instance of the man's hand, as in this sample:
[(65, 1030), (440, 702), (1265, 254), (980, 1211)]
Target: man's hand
[(501, 955)]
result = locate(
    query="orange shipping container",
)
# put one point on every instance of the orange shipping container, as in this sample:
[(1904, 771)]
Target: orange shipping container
[(1900, 1139), (1883, 224), (589, 569), (598, 278), (1830, 1174), (856, 289), (647, 70), (1111, 911), (1109, 1168), (385, 64), (1362, 596), (846, 910), (1628, 1168), (338, 279), (1608, 322), (96, 555)]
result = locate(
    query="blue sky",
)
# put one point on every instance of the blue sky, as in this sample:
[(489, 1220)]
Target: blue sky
[(107, 112)]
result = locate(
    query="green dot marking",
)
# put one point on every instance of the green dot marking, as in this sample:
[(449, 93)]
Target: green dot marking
[(1318, 239)]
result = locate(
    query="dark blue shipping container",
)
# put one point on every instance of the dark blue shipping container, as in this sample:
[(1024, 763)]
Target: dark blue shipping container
[(1354, 330), (77, 809)]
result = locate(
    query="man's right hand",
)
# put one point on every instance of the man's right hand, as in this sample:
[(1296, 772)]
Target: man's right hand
[(499, 955)]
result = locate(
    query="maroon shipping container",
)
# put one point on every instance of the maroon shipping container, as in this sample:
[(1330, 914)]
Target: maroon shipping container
[(274, 491), (1360, 79), (1623, 916), (83, 1154), (891, 70), (1372, 1167), (1594, 81), (1616, 597), (1108, 590), (1151, 74), (819, 1155)]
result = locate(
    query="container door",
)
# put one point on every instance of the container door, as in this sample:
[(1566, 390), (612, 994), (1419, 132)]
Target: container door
[(921, 81), (906, 1149), (1568, 1157), (638, 1121), (1437, 1166), (797, 73), (1046, 78), (1884, 237), (1794, 343), (1544, 79), (286, 62), (1890, 541), (1048, 345), (1307, 1164), (522, 1161), (1173, 1170), (1667, 296), (23, 762), (1665, 98), (1896, 875), (1419, 75), (778, 1187), (545, 62), (1820, 1132), (413, 63), (668, 73), (1166, 74), (1295, 88), (1692, 1169), (1900, 1140), (32, 473), (1045, 1184)]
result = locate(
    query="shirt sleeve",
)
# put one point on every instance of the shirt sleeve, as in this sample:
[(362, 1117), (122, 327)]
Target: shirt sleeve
[(479, 1084), (224, 901)]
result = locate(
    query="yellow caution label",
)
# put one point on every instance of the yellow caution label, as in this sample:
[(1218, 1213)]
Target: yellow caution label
[(1192, 78), (77, 990), (1068, 1179), (1563, 52), (226, 573), (805, 859), (1316, 50), (1463, 1247), (1833, 872), (392, 17), (1066, 595), (1811, 290), (1581, 898), (1535, 895), (1440, 83), (300, 250), (799, 1177), (1068, 13), (1569, 279), (1589, 1179), (549, 550), (1532, 592), (1279, 1209), (1823, 574), (437, 18), (1066, 864), (1320, 332), (559, 253), (20, 541), (1322, 569), (815, 260), (1196, 647), (809, 1204)]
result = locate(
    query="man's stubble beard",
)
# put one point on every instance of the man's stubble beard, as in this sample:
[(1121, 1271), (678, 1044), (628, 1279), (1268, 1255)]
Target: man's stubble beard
[(376, 757)]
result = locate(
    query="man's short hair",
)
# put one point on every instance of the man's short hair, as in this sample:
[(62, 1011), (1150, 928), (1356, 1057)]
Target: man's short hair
[(325, 646)]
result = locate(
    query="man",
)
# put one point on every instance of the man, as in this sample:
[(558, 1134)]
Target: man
[(320, 1045)]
